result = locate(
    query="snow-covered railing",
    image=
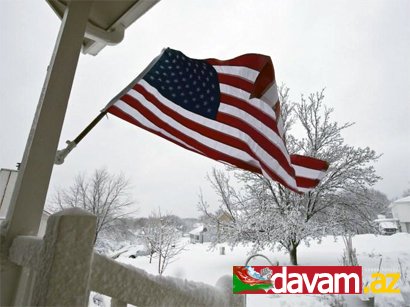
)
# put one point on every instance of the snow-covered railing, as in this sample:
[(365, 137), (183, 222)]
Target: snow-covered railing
[(66, 269)]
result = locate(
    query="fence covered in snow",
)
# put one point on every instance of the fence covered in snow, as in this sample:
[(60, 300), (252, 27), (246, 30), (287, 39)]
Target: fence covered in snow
[(64, 269)]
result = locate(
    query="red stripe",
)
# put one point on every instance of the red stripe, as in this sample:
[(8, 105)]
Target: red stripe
[(250, 109), (306, 183), (259, 138), (207, 151), (219, 136), (125, 116), (275, 177), (309, 162), (236, 81), (191, 124), (261, 63), (250, 60)]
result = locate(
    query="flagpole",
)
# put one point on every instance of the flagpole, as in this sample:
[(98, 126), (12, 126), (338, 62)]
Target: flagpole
[(62, 154)]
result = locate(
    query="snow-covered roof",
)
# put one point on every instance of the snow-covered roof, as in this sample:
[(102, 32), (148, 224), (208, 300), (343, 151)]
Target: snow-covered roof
[(198, 230), (405, 200), (387, 225), (392, 220)]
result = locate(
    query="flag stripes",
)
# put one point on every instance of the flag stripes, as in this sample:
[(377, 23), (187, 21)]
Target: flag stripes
[(245, 132)]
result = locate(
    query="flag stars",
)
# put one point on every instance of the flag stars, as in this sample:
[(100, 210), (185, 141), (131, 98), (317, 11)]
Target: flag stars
[(192, 84)]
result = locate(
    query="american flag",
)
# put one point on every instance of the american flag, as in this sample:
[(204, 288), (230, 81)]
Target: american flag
[(228, 111)]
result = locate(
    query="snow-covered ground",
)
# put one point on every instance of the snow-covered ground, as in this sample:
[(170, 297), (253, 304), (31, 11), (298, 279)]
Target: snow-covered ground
[(201, 263)]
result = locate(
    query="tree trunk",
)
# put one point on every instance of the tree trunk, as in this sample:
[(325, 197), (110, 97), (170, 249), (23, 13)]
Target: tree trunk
[(159, 262), (150, 256), (293, 254)]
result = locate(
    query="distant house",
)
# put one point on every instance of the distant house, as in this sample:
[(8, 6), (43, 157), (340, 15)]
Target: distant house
[(223, 219), (198, 235), (8, 180), (401, 211)]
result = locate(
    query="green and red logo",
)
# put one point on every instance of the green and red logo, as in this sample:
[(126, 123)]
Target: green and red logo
[(248, 279), (297, 279)]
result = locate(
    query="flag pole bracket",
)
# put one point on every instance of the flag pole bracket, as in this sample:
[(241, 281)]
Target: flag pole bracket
[(62, 154)]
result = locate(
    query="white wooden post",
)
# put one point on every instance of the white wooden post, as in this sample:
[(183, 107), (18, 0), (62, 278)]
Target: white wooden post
[(64, 264), (34, 175)]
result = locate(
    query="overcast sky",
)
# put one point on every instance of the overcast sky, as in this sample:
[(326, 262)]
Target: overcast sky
[(358, 50)]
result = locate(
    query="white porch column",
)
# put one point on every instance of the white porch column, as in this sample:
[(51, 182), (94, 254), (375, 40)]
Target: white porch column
[(34, 175)]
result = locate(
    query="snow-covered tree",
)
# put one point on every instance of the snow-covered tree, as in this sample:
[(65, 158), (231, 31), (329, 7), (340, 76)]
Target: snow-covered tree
[(267, 214), (162, 239), (103, 194)]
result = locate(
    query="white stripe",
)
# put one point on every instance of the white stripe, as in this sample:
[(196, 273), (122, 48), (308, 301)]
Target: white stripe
[(238, 71), (258, 125), (226, 149), (304, 190), (230, 130), (271, 95), (280, 127), (145, 122), (308, 172), (244, 95), (255, 102), (231, 151)]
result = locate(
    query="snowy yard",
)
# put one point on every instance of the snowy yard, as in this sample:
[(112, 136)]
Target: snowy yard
[(200, 263)]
